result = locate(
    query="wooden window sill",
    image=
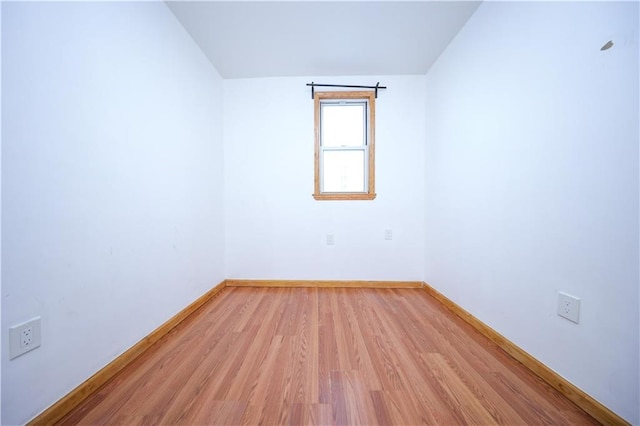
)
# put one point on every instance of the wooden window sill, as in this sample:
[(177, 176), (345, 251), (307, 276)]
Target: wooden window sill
[(344, 196)]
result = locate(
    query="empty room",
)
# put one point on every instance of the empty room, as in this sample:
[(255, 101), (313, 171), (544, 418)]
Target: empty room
[(320, 212)]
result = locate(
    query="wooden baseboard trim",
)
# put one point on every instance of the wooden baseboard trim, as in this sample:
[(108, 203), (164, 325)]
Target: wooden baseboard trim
[(569, 390), (321, 283), (93, 383)]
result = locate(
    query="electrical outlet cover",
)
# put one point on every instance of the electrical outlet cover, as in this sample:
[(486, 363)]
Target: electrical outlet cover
[(569, 307), (24, 337)]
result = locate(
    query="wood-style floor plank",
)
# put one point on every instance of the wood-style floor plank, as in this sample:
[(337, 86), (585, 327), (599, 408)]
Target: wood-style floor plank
[(325, 356)]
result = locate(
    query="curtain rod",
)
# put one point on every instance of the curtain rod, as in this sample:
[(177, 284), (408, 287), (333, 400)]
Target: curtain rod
[(314, 85)]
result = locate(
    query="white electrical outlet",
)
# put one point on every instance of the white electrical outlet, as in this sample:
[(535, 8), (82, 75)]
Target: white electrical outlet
[(329, 239), (388, 234), (569, 307), (24, 337)]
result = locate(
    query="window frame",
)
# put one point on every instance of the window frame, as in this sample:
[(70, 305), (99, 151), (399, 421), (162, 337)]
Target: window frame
[(349, 96)]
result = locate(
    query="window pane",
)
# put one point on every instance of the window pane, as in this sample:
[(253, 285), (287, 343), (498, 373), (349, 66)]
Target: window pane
[(343, 171), (343, 125)]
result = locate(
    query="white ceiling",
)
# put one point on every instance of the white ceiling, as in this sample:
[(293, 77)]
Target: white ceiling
[(322, 38)]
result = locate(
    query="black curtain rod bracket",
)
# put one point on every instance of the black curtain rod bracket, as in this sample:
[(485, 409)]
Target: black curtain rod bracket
[(314, 85)]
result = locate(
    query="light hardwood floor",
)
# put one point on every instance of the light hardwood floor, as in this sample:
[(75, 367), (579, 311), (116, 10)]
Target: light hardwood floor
[(299, 356)]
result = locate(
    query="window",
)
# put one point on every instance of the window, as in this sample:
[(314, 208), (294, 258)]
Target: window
[(344, 146)]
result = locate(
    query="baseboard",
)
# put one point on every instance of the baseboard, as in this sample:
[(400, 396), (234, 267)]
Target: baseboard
[(321, 283), (569, 390), (93, 383)]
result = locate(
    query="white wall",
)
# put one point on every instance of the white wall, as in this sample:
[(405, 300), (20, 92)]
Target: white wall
[(1, 340), (112, 175), (274, 227), (532, 184)]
